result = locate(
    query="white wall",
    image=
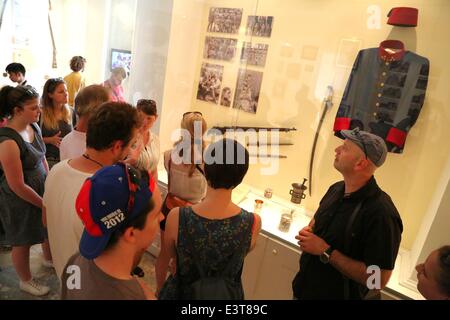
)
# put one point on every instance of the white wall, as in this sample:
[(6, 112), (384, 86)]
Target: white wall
[(150, 51), (181, 70)]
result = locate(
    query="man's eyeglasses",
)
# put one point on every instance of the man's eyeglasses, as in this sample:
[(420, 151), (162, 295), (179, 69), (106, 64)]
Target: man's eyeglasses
[(361, 139), (194, 112)]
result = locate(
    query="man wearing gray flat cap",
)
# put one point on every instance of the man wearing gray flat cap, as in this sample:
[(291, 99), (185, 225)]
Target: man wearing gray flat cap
[(350, 247)]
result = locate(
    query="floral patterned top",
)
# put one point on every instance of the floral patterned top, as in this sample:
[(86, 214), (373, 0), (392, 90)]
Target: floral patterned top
[(215, 243)]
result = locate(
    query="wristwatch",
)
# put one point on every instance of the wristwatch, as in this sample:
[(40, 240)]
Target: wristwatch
[(325, 256)]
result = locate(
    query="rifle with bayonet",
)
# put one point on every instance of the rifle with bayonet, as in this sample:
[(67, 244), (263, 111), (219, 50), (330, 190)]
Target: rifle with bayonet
[(223, 130)]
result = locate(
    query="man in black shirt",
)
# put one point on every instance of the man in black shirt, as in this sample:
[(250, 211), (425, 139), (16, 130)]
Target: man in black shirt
[(351, 244)]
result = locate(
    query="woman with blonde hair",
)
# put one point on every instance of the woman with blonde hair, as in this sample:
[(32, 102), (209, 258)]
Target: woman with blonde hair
[(186, 182), (56, 118)]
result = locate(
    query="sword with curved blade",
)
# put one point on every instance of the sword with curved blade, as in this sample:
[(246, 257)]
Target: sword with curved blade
[(54, 63), (328, 104)]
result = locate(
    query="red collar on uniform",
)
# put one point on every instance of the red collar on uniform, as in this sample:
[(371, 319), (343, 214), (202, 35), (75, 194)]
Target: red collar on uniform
[(387, 54)]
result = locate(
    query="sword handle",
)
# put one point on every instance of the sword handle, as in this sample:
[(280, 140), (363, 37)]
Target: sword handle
[(330, 94)]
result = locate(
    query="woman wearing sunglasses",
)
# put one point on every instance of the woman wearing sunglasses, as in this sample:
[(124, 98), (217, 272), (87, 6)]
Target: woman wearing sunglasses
[(186, 182)]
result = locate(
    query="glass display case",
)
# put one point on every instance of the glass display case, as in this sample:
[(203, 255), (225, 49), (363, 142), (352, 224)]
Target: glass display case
[(285, 65)]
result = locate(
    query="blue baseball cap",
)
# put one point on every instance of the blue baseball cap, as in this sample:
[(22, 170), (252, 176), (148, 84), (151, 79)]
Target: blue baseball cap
[(106, 201)]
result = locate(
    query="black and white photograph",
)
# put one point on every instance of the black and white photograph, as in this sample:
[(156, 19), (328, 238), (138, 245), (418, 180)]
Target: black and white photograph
[(254, 54), (259, 26), (224, 20), (220, 48), (227, 96), (248, 88), (210, 83)]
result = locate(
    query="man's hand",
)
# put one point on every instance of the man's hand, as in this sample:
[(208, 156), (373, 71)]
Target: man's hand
[(310, 243)]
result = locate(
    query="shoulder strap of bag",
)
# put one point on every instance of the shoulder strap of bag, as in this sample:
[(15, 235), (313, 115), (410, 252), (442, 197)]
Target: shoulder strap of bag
[(347, 242), (169, 168), (200, 169), (168, 173)]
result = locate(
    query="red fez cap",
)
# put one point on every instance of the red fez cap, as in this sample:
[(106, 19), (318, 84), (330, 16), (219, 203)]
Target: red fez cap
[(403, 17)]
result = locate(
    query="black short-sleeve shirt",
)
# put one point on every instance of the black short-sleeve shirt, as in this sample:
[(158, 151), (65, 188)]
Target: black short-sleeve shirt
[(375, 240)]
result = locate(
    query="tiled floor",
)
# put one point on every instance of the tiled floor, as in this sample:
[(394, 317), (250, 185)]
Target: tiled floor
[(9, 282)]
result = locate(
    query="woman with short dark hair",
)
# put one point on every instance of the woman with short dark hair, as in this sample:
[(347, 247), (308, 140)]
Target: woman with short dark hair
[(215, 233)]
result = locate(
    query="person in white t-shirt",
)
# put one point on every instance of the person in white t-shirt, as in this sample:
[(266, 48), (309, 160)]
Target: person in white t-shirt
[(112, 129), (87, 100)]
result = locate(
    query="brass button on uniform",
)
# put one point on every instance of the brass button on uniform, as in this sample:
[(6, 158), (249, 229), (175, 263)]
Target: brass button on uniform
[(382, 84), (375, 114), (377, 104), (384, 73), (379, 95)]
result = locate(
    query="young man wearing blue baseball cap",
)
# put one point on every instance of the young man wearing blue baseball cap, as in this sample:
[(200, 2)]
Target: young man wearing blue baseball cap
[(355, 229), (111, 132), (120, 210)]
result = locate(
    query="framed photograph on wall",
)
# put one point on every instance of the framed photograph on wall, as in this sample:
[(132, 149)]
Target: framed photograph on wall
[(254, 54), (224, 20), (121, 58), (220, 48), (210, 83), (226, 97), (248, 88), (259, 26)]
